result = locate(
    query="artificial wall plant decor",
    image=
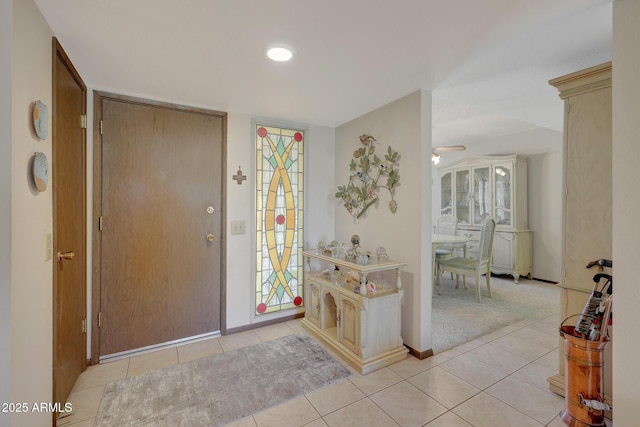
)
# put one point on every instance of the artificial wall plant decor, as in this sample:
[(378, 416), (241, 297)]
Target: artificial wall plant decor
[(366, 172)]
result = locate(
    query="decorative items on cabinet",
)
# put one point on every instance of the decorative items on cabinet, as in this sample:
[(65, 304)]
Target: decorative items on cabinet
[(353, 311), (366, 169), (492, 186)]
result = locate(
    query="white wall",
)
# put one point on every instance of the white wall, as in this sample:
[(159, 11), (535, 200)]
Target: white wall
[(319, 176), (31, 219), (6, 26), (405, 125), (626, 204), (543, 147)]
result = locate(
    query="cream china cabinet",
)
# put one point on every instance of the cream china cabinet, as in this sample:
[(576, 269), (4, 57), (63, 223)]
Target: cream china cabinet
[(362, 326), (588, 197), (494, 186)]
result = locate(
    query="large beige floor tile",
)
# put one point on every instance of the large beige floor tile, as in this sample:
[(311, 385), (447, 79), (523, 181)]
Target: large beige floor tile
[(551, 360), (484, 410), (293, 413), (85, 404), (537, 404), (549, 326), (412, 366), (535, 336), (498, 358), (199, 350), (102, 374), (239, 340), (469, 345), (296, 325), (407, 405), (557, 422), (439, 358), (271, 332), (445, 388), (152, 361), (375, 381), (473, 371), (520, 346), (363, 413), (449, 420), (335, 396), (317, 423), (492, 336), (536, 375)]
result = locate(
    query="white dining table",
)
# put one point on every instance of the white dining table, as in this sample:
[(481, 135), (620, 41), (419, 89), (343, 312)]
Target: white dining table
[(438, 240)]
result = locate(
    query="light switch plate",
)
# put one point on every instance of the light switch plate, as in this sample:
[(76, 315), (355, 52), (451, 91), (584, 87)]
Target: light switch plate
[(237, 227)]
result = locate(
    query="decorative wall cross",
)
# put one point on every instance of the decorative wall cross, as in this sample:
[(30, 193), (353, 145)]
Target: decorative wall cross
[(239, 177)]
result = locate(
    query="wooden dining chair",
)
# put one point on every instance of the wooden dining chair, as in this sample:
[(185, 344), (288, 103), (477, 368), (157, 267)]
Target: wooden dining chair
[(481, 265), (445, 224)]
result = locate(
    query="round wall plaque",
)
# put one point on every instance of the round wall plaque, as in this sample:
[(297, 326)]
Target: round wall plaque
[(40, 171), (41, 119)]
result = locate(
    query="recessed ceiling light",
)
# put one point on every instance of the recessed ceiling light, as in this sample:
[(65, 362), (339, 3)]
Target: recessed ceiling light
[(280, 53)]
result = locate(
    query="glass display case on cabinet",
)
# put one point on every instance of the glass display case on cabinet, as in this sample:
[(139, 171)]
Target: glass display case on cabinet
[(446, 192), (462, 197), (502, 176)]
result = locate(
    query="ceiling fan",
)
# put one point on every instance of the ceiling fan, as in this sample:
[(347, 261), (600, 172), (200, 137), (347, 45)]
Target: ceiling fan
[(435, 151)]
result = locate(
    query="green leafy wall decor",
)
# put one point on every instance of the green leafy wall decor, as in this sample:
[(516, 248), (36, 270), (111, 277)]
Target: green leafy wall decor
[(368, 174)]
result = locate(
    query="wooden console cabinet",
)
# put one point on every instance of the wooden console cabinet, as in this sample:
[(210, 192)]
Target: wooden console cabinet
[(363, 327)]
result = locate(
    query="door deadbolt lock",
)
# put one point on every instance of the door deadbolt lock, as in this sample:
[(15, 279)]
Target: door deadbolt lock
[(210, 237)]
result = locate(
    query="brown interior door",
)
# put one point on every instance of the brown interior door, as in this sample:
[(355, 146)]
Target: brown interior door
[(69, 225), (161, 206)]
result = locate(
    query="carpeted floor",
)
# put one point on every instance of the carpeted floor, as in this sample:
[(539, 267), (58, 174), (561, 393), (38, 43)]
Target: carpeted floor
[(219, 389), (457, 317)]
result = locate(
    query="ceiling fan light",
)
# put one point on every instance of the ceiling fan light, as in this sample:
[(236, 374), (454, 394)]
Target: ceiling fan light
[(435, 158)]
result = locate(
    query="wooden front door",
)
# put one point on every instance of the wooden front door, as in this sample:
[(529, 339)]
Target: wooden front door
[(69, 225), (159, 222)]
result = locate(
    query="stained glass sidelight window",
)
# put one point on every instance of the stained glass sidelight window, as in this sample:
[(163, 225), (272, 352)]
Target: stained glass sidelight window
[(279, 218)]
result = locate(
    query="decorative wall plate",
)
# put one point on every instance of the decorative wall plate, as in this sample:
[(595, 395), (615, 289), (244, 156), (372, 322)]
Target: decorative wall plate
[(40, 171), (41, 119)]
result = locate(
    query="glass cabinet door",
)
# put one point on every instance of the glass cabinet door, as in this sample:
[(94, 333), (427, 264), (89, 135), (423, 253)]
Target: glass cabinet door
[(481, 194), (502, 177), (446, 187), (462, 196)]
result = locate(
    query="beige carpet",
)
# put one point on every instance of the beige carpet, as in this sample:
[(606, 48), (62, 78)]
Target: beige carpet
[(220, 389), (457, 317)]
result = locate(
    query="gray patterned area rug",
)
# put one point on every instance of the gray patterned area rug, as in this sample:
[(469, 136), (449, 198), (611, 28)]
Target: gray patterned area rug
[(222, 388)]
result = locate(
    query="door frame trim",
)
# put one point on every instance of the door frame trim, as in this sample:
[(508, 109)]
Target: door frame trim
[(59, 53), (98, 97)]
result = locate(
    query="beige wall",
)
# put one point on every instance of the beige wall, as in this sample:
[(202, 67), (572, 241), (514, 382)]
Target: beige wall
[(626, 204), (5, 203), (31, 219), (404, 124)]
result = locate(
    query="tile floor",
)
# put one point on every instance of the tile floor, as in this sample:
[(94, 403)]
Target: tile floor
[(498, 379)]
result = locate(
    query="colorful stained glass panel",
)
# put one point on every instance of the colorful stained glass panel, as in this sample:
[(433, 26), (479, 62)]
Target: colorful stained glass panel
[(279, 238)]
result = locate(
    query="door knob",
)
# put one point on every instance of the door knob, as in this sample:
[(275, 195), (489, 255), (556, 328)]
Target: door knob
[(210, 237), (66, 255)]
